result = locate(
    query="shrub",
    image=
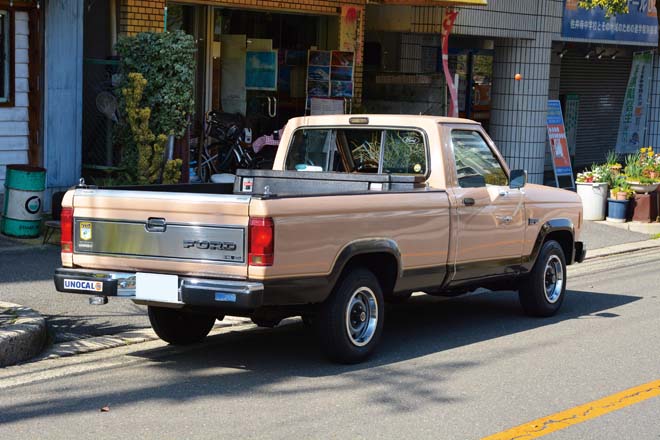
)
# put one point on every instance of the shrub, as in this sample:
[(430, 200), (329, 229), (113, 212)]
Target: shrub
[(167, 61)]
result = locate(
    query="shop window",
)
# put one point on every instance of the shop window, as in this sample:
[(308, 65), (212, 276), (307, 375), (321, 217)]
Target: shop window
[(476, 165), (5, 57)]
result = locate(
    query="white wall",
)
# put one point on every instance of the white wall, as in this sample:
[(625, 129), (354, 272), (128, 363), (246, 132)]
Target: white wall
[(14, 141)]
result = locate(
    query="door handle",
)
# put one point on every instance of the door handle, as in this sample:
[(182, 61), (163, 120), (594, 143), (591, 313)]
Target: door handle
[(504, 193), (506, 219), (468, 201)]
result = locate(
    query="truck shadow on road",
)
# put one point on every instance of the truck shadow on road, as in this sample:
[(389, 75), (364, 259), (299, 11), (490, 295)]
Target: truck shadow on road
[(274, 364)]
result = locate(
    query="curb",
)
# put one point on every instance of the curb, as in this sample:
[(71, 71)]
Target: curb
[(622, 249), (24, 338)]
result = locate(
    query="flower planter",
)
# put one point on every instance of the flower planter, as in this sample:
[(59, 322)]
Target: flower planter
[(594, 200), (617, 210), (640, 188)]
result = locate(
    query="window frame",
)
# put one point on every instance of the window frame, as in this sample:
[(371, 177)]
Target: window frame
[(11, 68), (383, 130), (491, 148)]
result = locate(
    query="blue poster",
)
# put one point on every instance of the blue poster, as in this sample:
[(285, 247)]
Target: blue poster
[(261, 70), (639, 25)]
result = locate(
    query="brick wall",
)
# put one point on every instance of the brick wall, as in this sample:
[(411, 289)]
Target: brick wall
[(137, 16)]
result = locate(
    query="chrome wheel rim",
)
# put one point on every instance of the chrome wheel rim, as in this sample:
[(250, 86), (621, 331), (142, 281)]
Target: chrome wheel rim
[(553, 279), (361, 316)]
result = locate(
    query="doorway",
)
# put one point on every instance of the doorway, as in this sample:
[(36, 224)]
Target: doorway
[(258, 64)]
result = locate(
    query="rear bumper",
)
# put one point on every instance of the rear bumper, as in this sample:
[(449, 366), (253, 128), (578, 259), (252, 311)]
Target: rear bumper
[(224, 294), (580, 252)]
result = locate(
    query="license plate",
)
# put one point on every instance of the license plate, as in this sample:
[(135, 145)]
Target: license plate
[(157, 287)]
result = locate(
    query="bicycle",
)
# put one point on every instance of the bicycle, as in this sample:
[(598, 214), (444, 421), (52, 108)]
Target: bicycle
[(227, 152)]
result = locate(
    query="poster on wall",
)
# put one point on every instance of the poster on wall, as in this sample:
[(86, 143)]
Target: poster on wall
[(330, 74), (261, 70), (632, 125), (561, 159), (638, 25)]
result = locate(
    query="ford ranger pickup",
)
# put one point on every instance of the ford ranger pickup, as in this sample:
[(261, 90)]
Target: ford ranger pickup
[(357, 211)]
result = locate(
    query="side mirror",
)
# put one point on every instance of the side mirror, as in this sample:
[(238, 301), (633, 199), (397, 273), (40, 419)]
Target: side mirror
[(517, 179)]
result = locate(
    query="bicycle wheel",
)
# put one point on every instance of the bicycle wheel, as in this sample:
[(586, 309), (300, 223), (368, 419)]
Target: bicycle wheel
[(227, 160)]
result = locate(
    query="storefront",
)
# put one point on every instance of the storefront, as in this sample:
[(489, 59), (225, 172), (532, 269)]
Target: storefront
[(591, 66), (272, 65)]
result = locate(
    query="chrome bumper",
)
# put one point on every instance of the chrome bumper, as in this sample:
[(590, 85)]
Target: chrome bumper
[(192, 291)]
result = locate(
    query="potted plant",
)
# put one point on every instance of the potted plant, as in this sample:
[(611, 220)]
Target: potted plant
[(613, 164), (642, 171), (619, 202), (592, 187)]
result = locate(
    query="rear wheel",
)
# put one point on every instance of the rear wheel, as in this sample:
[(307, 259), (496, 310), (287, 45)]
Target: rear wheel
[(350, 323), (542, 293), (179, 327)]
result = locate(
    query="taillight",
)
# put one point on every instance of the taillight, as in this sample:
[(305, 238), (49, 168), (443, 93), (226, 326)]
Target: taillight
[(262, 241), (66, 222)]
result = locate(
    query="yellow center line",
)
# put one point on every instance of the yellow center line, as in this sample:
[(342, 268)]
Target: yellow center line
[(579, 414)]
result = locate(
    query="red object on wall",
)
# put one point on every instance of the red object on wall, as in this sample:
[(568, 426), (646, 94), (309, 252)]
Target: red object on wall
[(447, 26)]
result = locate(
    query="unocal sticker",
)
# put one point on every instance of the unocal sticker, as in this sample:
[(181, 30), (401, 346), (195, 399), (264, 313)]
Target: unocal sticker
[(91, 286)]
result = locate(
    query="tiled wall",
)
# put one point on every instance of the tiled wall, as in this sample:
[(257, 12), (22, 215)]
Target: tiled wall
[(523, 32)]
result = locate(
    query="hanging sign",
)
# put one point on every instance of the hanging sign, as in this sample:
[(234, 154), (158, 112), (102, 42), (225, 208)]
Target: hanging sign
[(634, 115), (638, 25), (572, 107), (561, 160)]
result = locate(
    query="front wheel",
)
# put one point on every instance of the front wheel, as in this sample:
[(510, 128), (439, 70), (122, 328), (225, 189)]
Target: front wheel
[(542, 293), (179, 327), (350, 323)]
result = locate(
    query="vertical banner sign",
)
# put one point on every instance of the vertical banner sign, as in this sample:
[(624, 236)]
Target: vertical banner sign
[(572, 110), (632, 125), (447, 26), (561, 160)]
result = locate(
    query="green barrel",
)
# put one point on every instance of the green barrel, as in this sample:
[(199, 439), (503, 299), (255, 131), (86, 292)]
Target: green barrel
[(24, 193)]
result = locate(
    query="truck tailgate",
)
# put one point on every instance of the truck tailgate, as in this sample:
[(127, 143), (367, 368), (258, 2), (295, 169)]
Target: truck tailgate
[(194, 234)]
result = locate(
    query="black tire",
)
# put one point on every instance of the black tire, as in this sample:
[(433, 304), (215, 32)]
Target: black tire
[(179, 327), (540, 293), (356, 303)]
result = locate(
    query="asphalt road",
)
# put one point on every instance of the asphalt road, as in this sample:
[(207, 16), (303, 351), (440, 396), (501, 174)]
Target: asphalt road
[(462, 368)]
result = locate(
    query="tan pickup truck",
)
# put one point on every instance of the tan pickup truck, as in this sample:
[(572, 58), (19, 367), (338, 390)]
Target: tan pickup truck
[(357, 211)]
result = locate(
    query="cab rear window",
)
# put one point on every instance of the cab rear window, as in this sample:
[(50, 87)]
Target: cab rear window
[(364, 150)]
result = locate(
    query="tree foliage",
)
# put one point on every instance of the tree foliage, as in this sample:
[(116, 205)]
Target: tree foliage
[(611, 7), (167, 61)]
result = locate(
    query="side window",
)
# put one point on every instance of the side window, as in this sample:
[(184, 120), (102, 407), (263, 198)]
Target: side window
[(476, 165), (404, 152)]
